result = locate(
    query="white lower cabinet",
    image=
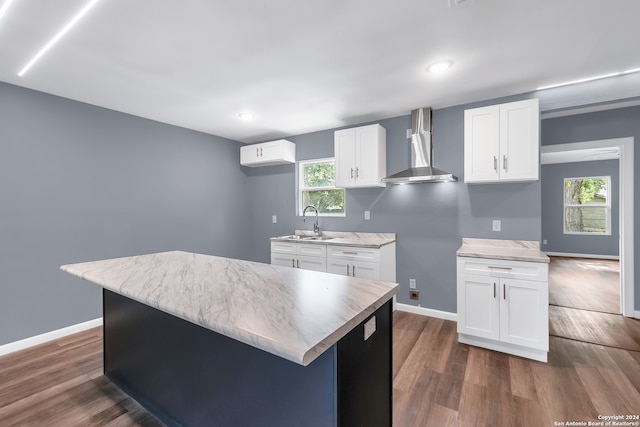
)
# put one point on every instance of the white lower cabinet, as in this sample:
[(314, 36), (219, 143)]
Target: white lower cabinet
[(500, 310), (299, 255), (369, 263), (366, 270)]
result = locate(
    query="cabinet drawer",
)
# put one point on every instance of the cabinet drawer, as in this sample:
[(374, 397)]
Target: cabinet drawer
[(503, 268), (283, 247), (353, 253), (312, 249)]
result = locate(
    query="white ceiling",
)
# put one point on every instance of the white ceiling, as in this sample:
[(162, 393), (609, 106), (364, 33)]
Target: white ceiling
[(302, 65)]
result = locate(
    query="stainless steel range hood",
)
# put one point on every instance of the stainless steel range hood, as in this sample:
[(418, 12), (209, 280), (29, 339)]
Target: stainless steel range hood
[(421, 154)]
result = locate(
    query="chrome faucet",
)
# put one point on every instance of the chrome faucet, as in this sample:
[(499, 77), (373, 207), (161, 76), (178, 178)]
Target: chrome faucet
[(316, 227)]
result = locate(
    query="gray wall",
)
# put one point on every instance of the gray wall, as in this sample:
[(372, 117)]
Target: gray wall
[(78, 183), (617, 123), (429, 219), (553, 209)]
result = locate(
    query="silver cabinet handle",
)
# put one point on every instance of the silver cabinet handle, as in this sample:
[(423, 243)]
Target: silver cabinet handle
[(293, 263), (357, 172), (495, 163), (347, 269), (260, 152), (257, 152), (504, 162), (494, 290), (504, 291), (353, 271), (351, 173), (349, 253), (500, 268), (298, 263)]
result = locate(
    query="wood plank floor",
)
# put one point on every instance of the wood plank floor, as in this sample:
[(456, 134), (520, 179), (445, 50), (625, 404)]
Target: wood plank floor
[(60, 383), (587, 284), (437, 382)]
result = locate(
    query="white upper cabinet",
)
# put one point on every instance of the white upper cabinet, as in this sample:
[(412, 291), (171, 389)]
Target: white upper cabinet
[(502, 142), (278, 152), (361, 156)]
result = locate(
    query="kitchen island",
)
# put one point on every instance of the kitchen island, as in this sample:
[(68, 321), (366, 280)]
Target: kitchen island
[(203, 340)]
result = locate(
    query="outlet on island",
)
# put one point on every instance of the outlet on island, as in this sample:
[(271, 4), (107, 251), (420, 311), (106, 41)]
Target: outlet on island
[(414, 295)]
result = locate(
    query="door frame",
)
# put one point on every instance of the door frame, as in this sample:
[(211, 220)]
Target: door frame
[(625, 147)]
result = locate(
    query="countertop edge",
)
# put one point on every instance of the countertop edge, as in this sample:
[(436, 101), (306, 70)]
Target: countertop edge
[(293, 353), (341, 332)]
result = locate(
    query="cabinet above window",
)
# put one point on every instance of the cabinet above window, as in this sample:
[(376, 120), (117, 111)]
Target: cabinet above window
[(271, 153)]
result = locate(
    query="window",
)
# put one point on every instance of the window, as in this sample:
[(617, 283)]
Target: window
[(316, 187), (587, 205)]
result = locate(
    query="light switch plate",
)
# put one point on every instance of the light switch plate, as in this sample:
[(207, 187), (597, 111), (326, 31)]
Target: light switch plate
[(497, 225), (412, 283), (274, 219), (369, 328), (367, 215)]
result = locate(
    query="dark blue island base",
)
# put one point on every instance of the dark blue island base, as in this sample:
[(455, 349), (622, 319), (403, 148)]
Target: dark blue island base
[(188, 375)]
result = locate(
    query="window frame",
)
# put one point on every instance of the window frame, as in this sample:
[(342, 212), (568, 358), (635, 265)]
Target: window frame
[(606, 206), (300, 187)]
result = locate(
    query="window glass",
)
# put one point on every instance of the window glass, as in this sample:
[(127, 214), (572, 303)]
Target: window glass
[(317, 187), (587, 205)]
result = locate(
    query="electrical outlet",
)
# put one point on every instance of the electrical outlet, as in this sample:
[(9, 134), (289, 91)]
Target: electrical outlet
[(408, 133), (367, 215), (274, 219), (414, 295), (412, 283), (497, 225), (369, 328), (544, 242)]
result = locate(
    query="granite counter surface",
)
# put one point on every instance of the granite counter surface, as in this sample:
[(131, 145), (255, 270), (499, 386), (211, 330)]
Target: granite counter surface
[(517, 250), (292, 313)]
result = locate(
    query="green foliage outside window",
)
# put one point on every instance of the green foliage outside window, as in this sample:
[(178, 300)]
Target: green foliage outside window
[(586, 208), (317, 188)]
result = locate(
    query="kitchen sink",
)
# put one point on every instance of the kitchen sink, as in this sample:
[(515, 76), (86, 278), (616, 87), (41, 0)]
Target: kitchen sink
[(306, 238), (290, 237)]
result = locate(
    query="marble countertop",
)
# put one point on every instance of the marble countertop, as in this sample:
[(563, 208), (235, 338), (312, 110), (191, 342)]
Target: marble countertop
[(341, 238), (517, 250), (292, 313)]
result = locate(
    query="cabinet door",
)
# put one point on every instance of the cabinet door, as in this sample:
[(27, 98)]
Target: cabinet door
[(345, 157), (338, 266), (524, 313), (482, 144), (519, 141), (368, 156), (366, 270), (311, 263), (249, 155), (478, 306), (284, 260)]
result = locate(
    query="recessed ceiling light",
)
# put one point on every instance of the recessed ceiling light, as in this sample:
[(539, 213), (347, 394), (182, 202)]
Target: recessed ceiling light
[(246, 116), (590, 79), (4, 7), (439, 67), (58, 36)]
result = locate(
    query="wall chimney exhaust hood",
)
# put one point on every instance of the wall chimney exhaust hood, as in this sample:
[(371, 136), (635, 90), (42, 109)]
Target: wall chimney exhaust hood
[(421, 154)]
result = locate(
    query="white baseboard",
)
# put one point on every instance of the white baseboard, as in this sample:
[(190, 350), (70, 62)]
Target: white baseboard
[(572, 255), (427, 312), (48, 336), (636, 314)]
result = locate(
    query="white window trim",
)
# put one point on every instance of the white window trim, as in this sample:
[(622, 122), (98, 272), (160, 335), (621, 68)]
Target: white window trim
[(300, 188), (607, 207)]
